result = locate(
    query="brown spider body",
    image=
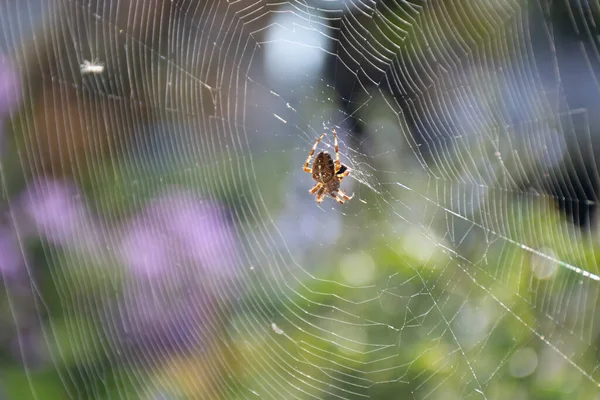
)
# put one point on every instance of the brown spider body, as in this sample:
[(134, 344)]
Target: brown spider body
[(327, 173), (323, 169)]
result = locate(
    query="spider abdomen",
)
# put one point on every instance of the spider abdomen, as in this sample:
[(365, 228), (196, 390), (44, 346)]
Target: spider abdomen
[(323, 168)]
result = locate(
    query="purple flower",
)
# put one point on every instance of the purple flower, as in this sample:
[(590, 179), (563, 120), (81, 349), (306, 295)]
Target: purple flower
[(181, 250), (204, 233), (144, 250), (193, 230), (11, 258), (56, 210)]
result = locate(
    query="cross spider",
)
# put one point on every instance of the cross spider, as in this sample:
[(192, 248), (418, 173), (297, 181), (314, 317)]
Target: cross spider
[(327, 174)]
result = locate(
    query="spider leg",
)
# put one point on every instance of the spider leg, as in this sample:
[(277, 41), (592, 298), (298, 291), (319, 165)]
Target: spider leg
[(315, 188), (338, 163), (321, 195), (343, 197), (305, 167)]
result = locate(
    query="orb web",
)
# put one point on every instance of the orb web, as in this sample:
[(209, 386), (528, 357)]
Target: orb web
[(158, 239)]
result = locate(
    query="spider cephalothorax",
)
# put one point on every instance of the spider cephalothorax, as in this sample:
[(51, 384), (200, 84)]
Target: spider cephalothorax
[(328, 174)]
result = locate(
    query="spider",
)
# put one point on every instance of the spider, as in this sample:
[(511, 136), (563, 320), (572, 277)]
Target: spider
[(327, 174)]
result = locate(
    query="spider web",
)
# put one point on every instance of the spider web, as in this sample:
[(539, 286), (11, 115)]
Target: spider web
[(159, 241)]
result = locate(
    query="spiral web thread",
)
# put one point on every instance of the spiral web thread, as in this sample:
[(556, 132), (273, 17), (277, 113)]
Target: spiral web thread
[(460, 247)]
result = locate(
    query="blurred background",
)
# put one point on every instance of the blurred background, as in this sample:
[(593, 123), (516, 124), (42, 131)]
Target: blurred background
[(157, 237)]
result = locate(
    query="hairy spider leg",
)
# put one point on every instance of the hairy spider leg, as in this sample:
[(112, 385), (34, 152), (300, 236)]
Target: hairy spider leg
[(315, 188), (344, 197), (320, 195), (306, 168), (338, 163)]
